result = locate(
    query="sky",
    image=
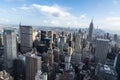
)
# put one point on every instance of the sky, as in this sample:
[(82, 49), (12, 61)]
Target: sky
[(67, 13)]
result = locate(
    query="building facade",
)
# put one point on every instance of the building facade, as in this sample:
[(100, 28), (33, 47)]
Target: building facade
[(33, 65), (102, 46), (26, 36), (90, 31), (10, 51)]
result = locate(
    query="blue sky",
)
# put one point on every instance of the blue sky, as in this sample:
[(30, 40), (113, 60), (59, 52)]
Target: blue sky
[(69, 13)]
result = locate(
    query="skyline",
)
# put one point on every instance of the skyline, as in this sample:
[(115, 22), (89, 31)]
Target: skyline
[(73, 13)]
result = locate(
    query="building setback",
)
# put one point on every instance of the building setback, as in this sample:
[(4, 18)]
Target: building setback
[(10, 52), (26, 36)]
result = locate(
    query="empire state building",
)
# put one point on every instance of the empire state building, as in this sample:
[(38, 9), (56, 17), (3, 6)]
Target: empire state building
[(90, 31)]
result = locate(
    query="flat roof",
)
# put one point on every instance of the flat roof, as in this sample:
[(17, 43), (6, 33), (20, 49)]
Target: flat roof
[(102, 39)]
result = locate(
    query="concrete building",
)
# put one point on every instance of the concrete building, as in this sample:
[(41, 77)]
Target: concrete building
[(90, 31), (117, 66), (56, 53), (65, 76), (102, 47), (77, 45), (1, 39), (50, 57), (19, 68), (60, 45), (33, 65), (43, 35), (26, 36), (50, 35), (115, 37), (63, 39), (70, 37), (86, 52), (76, 58), (41, 76), (5, 76), (67, 62), (34, 35), (105, 72), (10, 51)]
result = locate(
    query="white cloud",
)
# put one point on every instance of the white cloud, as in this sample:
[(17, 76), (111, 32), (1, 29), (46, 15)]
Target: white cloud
[(14, 9), (113, 19), (54, 10), (116, 2), (83, 16), (55, 15), (25, 7), (55, 23), (110, 23), (4, 20), (113, 22)]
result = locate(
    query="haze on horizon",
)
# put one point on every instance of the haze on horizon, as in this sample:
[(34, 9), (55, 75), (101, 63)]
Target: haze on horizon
[(72, 13)]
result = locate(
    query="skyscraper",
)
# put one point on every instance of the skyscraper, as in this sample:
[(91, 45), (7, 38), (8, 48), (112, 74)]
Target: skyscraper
[(1, 38), (10, 51), (115, 37), (33, 65), (26, 33), (90, 32), (43, 35), (102, 46), (117, 66), (50, 57), (78, 38), (50, 35), (19, 68)]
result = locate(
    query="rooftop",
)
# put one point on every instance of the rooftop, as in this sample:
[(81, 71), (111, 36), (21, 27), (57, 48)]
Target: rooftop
[(99, 39)]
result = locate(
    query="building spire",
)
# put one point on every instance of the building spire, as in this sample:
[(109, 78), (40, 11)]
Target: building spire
[(92, 20), (20, 23), (97, 27)]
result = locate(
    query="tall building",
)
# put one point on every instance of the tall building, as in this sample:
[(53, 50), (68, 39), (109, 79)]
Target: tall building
[(63, 39), (50, 35), (117, 66), (78, 38), (33, 65), (56, 53), (90, 32), (68, 52), (76, 58), (67, 62), (102, 47), (19, 68), (10, 51), (115, 37), (26, 36), (1, 39), (43, 35), (34, 35), (50, 57)]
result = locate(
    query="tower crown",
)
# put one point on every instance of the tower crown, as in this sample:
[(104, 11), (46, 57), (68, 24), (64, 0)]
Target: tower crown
[(91, 24)]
